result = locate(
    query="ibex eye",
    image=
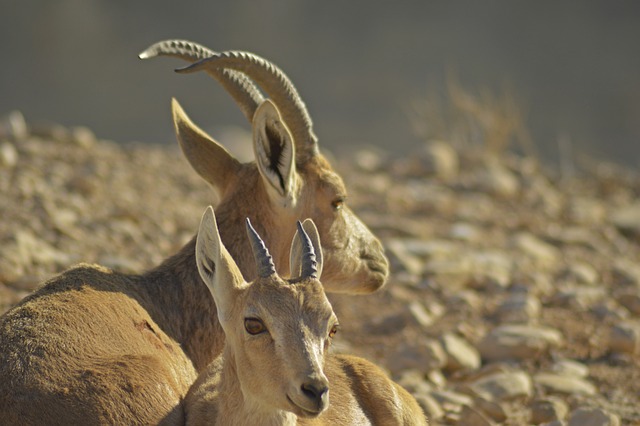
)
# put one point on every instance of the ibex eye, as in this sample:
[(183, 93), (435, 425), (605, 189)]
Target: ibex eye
[(254, 326), (338, 203), (333, 330)]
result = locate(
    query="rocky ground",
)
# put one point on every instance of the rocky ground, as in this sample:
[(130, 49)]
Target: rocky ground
[(514, 296)]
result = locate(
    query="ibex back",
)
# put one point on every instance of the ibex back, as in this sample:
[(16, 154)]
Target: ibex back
[(95, 346)]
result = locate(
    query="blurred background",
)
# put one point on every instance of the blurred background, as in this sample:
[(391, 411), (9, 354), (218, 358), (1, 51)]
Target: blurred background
[(365, 71)]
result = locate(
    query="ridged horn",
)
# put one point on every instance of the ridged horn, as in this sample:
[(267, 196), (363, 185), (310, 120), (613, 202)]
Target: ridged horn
[(264, 262), (238, 85), (309, 266), (276, 85)]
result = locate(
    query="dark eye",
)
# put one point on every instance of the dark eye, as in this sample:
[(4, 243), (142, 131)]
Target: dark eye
[(338, 203), (254, 326), (333, 331)]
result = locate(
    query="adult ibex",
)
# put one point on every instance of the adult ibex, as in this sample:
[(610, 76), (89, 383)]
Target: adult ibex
[(96, 346), (275, 369)]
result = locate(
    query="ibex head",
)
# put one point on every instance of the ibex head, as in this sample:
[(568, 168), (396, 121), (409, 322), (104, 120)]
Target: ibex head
[(277, 331), (290, 179)]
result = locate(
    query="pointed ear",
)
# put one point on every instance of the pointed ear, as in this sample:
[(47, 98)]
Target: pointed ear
[(207, 157), (275, 152), (295, 255), (215, 265)]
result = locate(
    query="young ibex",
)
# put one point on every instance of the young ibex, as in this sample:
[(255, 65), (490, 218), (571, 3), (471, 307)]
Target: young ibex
[(95, 346), (275, 369)]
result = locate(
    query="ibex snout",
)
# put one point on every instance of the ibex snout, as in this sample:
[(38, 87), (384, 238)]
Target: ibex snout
[(313, 396)]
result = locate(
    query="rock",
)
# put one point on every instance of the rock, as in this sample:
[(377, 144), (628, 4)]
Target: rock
[(83, 136), (437, 378), (627, 272), (472, 417), (558, 383), (501, 386), (591, 416), (461, 355), (519, 308), (630, 299), (465, 232), (625, 337), (627, 219), (497, 179), (587, 211), (581, 273), (401, 259), (14, 126), (420, 315), (548, 409), (369, 159), (439, 159), (451, 401), (8, 155), (568, 367), (430, 406), (518, 342), (541, 252), (580, 297), (492, 409), (422, 355)]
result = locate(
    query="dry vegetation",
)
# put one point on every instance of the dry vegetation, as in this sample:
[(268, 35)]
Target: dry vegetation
[(513, 295)]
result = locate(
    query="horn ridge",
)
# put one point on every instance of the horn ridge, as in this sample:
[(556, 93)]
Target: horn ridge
[(276, 85), (309, 264), (264, 261), (238, 85)]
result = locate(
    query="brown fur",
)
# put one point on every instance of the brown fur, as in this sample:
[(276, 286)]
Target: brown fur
[(260, 378), (95, 346)]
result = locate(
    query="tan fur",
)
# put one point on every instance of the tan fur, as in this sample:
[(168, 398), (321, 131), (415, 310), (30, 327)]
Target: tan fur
[(93, 346), (258, 378)]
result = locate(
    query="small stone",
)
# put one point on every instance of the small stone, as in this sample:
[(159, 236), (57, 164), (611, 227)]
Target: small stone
[(461, 355), (430, 406), (540, 251), (14, 126), (422, 355), (449, 400), (591, 416), (548, 409), (625, 337), (492, 409), (8, 155), (497, 179), (465, 232), (519, 308), (581, 273), (472, 417), (83, 136), (582, 297), (564, 384), (401, 259), (369, 159), (502, 386), (518, 342), (439, 159), (627, 219), (420, 315), (568, 367), (631, 301)]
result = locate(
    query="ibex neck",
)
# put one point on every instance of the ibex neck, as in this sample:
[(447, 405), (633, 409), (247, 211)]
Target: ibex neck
[(183, 307), (237, 408)]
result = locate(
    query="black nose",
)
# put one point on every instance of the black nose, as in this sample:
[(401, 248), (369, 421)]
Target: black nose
[(317, 391)]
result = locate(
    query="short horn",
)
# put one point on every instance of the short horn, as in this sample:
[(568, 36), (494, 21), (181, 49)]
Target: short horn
[(309, 267), (277, 86), (264, 262), (238, 85)]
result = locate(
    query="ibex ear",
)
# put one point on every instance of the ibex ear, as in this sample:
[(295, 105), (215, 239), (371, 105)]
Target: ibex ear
[(295, 255), (215, 265), (208, 158), (275, 153)]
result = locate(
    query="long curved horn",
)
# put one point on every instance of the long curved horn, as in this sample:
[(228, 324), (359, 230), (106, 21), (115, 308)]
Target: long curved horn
[(309, 267), (264, 262), (277, 86), (238, 85)]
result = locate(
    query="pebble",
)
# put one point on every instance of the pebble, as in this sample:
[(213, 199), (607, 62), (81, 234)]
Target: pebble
[(401, 259), (581, 273), (492, 409), (548, 409), (450, 400), (627, 219), (630, 299), (430, 406), (625, 337), (562, 384), (591, 416), (542, 252), (519, 308), (8, 155), (470, 416), (422, 355), (518, 342), (461, 355), (439, 159), (579, 297), (568, 367), (502, 386), (497, 179)]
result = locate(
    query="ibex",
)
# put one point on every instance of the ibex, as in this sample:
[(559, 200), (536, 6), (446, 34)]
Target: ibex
[(275, 369), (96, 346)]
